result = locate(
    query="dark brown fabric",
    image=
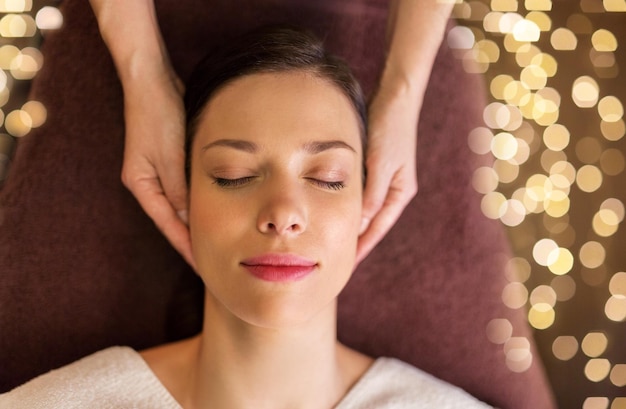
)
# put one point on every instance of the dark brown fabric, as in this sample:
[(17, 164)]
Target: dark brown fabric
[(83, 268)]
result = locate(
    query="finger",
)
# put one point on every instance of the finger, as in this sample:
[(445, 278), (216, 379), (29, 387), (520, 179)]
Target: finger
[(376, 189), (154, 202), (172, 179), (382, 222)]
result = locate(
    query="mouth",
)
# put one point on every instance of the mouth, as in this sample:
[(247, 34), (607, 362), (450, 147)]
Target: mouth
[(279, 267)]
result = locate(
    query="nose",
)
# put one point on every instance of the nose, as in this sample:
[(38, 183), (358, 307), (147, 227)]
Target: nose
[(283, 211)]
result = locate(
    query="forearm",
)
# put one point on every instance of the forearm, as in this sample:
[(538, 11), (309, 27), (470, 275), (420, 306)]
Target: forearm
[(414, 33), (131, 32)]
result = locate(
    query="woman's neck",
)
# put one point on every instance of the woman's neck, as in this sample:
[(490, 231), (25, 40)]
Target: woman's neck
[(237, 365)]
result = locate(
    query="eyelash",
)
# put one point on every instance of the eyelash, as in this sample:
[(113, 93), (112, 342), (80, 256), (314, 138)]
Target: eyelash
[(232, 183)]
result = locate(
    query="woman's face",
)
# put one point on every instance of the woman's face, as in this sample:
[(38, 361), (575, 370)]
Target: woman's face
[(275, 197)]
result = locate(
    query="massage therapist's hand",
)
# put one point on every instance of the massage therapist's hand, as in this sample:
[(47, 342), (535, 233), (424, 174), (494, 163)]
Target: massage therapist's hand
[(391, 169), (154, 156)]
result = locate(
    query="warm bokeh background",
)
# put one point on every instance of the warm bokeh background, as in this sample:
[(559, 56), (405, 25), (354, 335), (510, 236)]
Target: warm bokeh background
[(555, 133)]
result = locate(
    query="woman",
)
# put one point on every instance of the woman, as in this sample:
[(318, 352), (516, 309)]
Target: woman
[(276, 139)]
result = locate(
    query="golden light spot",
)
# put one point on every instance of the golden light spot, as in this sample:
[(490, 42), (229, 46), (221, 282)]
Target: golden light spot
[(489, 49), (545, 112), (504, 5), (491, 23), (497, 85), (546, 62), (541, 5), (15, 6), (518, 355), (460, 38), (49, 18), (526, 30), (592, 254), (491, 204), (616, 206), (618, 375), (479, 140), (512, 213), (508, 22), (514, 93), (517, 269), (560, 261), (18, 123), (597, 369), (461, 11), (610, 109), (588, 150), (533, 77), (612, 162), (507, 172), (615, 308), (594, 344), (504, 145), (542, 250), (619, 403), (24, 67), (556, 137), (564, 347), (605, 223), (4, 96), (17, 25), (596, 402), (37, 112), (579, 24), (614, 5), (499, 330), (564, 286), (495, 115), (560, 182), (479, 10), (541, 19), (604, 40), (514, 295), (541, 316), (563, 39), (475, 61), (543, 294), (485, 180), (601, 59), (585, 92), (589, 178), (511, 44), (556, 204), (613, 131), (525, 54), (7, 54), (523, 151), (550, 157), (617, 285), (565, 169)]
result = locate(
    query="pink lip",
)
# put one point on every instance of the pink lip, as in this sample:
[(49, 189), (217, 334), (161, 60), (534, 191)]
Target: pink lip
[(279, 267)]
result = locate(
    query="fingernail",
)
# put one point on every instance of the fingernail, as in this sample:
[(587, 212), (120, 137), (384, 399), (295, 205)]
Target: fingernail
[(184, 216)]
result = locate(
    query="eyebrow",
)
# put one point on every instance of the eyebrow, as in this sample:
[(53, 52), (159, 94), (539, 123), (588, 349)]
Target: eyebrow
[(250, 147)]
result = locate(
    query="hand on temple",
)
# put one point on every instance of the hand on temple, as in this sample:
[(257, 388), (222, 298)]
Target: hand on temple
[(390, 161), (154, 154)]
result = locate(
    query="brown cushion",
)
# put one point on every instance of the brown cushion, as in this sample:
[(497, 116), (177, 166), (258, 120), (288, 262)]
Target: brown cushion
[(82, 267)]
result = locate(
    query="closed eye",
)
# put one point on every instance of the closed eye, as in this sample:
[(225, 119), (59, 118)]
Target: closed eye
[(231, 183), (337, 185)]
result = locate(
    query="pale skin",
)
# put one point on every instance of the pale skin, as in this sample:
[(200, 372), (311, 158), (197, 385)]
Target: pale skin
[(154, 156), (270, 344)]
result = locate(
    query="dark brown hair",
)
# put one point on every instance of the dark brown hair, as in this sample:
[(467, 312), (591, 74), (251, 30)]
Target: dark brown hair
[(268, 49)]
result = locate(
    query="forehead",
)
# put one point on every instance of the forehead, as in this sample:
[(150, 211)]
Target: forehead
[(280, 107)]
